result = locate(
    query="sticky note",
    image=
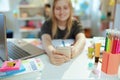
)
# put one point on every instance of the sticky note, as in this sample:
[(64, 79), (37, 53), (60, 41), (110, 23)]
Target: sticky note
[(9, 65)]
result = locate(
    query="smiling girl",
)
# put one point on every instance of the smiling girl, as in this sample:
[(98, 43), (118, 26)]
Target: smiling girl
[(62, 26)]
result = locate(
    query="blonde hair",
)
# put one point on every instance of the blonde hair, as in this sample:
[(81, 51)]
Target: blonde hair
[(54, 20)]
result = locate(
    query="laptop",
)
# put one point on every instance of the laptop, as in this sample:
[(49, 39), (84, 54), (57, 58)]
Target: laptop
[(15, 48)]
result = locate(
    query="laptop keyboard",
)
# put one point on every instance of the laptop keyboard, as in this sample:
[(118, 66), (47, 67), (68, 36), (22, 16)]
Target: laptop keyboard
[(16, 52)]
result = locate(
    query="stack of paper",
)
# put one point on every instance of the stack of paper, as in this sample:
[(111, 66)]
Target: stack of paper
[(9, 68), (12, 72), (33, 69)]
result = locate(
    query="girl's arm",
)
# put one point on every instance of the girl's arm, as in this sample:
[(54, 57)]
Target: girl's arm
[(79, 44)]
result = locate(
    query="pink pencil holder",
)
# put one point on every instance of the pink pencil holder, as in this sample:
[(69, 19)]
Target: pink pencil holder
[(110, 63)]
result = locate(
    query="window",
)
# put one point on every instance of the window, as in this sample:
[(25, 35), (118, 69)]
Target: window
[(4, 5)]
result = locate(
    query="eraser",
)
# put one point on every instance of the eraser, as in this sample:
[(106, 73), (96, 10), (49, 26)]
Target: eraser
[(96, 72), (90, 65)]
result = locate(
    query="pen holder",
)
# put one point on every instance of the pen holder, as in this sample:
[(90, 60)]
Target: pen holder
[(119, 72), (65, 50), (110, 63)]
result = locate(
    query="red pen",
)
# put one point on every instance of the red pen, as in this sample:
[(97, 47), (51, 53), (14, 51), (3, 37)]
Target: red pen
[(114, 45)]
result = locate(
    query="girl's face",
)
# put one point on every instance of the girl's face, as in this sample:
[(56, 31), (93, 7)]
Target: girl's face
[(62, 10)]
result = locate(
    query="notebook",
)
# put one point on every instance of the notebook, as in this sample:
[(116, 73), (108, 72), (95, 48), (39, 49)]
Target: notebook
[(15, 48)]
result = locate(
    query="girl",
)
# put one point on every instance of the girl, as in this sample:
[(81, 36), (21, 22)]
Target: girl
[(62, 26)]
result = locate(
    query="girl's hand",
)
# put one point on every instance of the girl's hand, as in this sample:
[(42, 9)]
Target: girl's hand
[(58, 58), (74, 51)]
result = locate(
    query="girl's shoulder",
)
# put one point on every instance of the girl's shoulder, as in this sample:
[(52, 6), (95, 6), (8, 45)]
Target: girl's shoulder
[(76, 22), (49, 21)]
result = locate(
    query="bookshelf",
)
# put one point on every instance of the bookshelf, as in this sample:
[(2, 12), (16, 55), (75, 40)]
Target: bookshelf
[(30, 18)]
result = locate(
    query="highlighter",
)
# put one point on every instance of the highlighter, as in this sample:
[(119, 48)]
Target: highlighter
[(97, 52), (106, 42)]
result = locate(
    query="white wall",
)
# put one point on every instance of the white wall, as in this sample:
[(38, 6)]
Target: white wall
[(117, 17), (10, 20)]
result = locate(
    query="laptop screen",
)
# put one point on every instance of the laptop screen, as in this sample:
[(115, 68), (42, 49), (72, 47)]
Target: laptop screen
[(16, 49), (3, 48)]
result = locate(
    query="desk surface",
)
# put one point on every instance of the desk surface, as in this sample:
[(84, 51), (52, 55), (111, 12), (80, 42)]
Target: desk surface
[(75, 69)]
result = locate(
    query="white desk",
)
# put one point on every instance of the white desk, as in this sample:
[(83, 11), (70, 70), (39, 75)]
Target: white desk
[(76, 69)]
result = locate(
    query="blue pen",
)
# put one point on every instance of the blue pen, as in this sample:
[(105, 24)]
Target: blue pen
[(63, 43)]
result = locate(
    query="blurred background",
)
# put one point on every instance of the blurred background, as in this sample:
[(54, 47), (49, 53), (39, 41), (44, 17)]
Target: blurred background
[(24, 18)]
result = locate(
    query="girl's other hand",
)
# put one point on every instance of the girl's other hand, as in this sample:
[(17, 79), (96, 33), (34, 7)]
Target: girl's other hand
[(75, 51)]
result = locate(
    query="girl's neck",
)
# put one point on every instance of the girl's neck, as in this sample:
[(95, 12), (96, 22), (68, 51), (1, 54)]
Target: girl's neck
[(62, 23), (61, 27)]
